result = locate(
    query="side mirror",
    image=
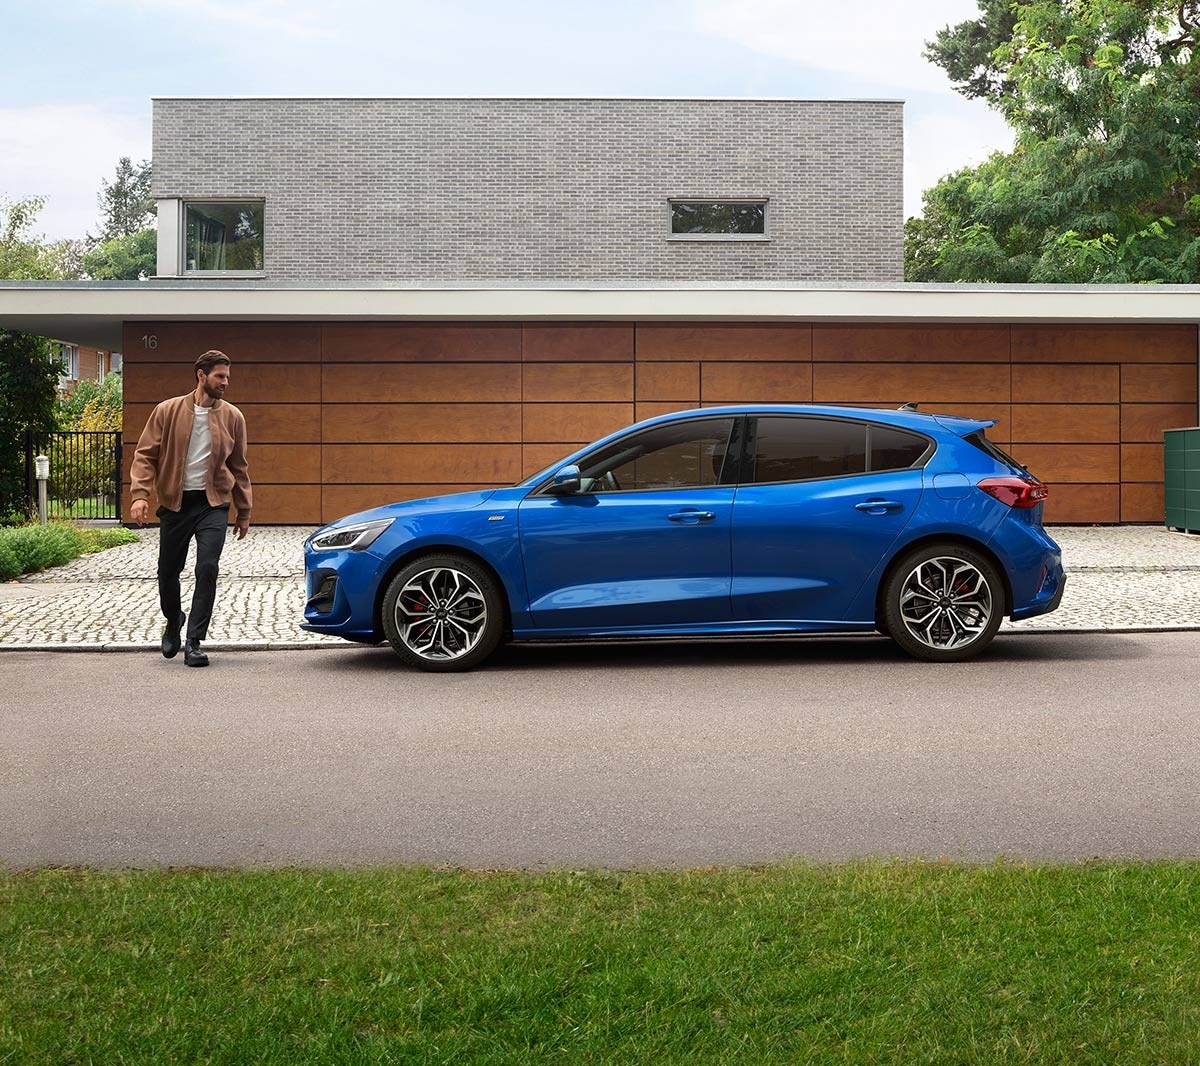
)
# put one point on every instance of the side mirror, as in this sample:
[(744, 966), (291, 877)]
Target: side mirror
[(566, 480)]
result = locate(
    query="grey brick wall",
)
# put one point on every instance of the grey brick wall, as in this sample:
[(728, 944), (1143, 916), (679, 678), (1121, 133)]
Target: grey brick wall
[(448, 190)]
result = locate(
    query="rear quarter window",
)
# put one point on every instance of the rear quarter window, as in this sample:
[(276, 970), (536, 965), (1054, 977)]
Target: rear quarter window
[(896, 449)]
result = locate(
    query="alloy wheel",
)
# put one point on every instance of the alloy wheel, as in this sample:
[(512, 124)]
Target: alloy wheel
[(441, 614), (946, 603)]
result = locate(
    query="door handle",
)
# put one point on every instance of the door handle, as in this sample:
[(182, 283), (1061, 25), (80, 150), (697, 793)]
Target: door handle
[(878, 506), (691, 518)]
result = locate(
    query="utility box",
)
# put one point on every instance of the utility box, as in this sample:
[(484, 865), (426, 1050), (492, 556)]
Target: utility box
[(1181, 469)]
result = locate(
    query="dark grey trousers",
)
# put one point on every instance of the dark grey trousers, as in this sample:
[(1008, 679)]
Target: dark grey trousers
[(197, 518)]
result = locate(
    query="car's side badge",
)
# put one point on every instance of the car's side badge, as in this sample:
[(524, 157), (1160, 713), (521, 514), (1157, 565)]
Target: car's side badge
[(496, 518)]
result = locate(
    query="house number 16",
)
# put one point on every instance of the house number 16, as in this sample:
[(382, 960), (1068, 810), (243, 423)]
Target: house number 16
[(149, 340)]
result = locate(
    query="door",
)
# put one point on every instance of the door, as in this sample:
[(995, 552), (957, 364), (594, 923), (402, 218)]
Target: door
[(645, 541), (812, 518)]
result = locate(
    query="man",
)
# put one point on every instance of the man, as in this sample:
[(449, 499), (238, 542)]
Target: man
[(193, 454)]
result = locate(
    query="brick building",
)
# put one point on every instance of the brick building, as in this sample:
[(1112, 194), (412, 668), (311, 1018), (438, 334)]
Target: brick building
[(82, 362)]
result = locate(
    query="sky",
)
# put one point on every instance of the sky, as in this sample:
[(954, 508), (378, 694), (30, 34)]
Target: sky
[(79, 75)]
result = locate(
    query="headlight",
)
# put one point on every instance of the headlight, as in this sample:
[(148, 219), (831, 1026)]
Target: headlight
[(350, 538)]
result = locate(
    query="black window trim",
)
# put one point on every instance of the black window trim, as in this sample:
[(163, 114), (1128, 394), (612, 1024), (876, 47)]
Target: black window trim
[(745, 472)]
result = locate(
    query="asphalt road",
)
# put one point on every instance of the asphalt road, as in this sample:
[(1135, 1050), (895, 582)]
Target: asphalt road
[(1053, 746)]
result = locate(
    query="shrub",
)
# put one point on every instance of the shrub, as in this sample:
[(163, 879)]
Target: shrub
[(98, 540), (24, 549)]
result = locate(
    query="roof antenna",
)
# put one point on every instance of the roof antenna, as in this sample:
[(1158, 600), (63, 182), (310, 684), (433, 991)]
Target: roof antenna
[(911, 406)]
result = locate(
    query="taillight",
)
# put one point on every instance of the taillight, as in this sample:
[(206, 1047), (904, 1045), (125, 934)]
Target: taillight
[(1019, 492)]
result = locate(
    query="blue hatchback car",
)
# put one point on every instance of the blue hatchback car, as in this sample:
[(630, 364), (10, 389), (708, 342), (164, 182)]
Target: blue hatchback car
[(732, 520)]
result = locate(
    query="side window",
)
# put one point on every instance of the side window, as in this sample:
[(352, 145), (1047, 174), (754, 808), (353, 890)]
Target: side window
[(895, 449), (798, 449), (689, 454)]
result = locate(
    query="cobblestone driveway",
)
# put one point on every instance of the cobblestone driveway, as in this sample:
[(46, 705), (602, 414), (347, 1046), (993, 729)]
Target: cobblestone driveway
[(1122, 578)]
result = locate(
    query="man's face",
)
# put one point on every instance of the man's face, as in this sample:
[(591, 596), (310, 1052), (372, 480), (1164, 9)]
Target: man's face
[(215, 381)]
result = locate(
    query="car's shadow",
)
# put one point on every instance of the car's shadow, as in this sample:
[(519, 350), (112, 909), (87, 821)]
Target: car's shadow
[(1027, 648)]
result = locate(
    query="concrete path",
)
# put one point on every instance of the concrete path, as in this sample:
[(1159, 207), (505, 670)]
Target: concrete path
[(1122, 578)]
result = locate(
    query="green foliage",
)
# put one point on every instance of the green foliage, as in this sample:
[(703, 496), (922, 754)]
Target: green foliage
[(128, 258), (97, 539), (86, 469), (28, 390), (32, 548), (24, 257), (1102, 184), (965, 52), (126, 206), (28, 548), (92, 404)]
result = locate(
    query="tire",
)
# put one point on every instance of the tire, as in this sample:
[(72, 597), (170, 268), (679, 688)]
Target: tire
[(466, 619), (943, 603)]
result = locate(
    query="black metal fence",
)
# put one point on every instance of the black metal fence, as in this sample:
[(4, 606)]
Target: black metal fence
[(85, 474)]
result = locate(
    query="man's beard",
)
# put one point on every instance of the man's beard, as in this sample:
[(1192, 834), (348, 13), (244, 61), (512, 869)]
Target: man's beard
[(211, 391)]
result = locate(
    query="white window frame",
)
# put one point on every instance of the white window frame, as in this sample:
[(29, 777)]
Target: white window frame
[(759, 238), (188, 272), (68, 361)]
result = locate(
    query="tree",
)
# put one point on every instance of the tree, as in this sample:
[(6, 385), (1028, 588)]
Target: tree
[(126, 248), (1103, 183), (126, 206), (22, 256), (124, 258), (92, 404), (26, 257), (28, 387)]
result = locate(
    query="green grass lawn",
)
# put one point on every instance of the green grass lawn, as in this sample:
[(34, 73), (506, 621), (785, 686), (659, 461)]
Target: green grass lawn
[(865, 962)]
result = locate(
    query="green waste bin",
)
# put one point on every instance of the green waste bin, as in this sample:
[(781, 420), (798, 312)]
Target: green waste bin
[(1181, 469)]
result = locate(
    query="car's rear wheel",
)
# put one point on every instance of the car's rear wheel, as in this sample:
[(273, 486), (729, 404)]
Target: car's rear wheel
[(943, 603), (443, 613)]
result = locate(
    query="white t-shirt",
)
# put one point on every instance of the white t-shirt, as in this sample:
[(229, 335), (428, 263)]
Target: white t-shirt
[(195, 469)]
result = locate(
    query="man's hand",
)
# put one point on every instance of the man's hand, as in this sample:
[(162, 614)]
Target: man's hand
[(241, 526), (139, 512)]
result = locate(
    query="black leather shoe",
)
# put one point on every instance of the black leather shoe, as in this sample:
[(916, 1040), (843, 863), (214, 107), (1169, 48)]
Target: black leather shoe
[(192, 655), (170, 638)]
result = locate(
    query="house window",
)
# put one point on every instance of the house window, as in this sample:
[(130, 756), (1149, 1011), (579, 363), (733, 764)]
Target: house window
[(223, 236), (68, 362), (718, 220)]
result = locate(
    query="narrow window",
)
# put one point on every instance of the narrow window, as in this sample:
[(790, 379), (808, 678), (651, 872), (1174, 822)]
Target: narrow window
[(718, 219), (223, 236), (68, 359)]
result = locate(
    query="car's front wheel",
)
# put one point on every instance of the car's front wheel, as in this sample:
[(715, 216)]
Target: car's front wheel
[(443, 613), (943, 603)]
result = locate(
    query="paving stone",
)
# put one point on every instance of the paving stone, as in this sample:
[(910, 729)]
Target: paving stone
[(1121, 577)]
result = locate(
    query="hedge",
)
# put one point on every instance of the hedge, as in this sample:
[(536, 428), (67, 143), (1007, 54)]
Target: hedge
[(24, 549)]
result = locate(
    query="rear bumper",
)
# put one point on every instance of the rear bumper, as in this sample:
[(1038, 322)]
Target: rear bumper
[(1043, 605), (1033, 561)]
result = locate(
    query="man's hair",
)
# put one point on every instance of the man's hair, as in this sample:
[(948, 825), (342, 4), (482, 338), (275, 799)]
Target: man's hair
[(210, 359)]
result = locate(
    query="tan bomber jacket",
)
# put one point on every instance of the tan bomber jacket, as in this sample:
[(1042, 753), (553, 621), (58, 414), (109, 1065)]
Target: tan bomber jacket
[(162, 452)]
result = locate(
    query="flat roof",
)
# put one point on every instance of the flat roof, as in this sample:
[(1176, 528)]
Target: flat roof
[(93, 312), (520, 96)]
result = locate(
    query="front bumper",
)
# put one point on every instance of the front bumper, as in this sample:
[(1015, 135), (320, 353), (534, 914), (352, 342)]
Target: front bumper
[(340, 592)]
